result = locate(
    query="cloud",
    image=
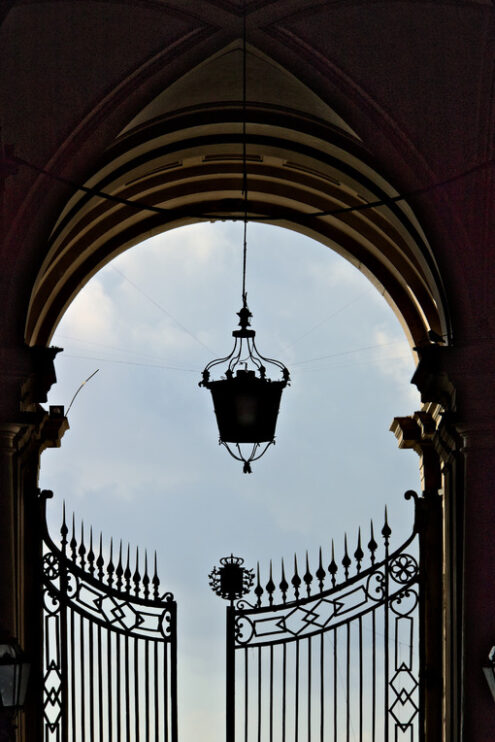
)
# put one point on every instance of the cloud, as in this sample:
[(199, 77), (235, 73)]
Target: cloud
[(396, 363), (336, 273), (91, 316)]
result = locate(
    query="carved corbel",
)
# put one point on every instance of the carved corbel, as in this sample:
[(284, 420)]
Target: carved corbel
[(417, 433)]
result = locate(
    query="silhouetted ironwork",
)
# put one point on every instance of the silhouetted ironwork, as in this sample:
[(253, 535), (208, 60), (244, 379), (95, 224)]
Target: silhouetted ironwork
[(246, 401), (231, 580), (110, 646), (331, 654)]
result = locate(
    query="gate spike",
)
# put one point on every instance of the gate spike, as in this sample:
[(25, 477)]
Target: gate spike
[(258, 590), (372, 545), (91, 554), (136, 578), (359, 554), (296, 580), (346, 561), (332, 567), (110, 565), (270, 585), (146, 579), (308, 577), (128, 573), (119, 571), (386, 530), (100, 562), (82, 548), (64, 531), (320, 572), (284, 585), (73, 542), (156, 581)]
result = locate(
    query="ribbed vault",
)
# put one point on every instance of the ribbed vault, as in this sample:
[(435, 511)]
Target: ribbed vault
[(183, 154)]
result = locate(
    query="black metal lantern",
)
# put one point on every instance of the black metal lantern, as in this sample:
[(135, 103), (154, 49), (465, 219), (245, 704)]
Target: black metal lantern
[(489, 671), (14, 673), (246, 400)]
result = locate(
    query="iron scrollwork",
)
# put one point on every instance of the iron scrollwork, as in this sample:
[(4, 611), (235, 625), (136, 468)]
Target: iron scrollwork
[(103, 622), (364, 626)]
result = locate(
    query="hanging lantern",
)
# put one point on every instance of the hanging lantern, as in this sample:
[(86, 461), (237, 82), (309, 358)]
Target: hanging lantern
[(14, 673), (245, 399)]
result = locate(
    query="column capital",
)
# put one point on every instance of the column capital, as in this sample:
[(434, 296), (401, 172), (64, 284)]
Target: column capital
[(418, 432), (8, 434)]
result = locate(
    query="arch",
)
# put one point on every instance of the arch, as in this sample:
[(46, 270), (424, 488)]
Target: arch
[(184, 164)]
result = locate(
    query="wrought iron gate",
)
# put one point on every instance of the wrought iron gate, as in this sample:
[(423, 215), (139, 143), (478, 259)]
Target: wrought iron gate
[(340, 664), (109, 664)]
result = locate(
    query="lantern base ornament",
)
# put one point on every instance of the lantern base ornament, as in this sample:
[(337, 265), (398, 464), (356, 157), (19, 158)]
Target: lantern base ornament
[(245, 400)]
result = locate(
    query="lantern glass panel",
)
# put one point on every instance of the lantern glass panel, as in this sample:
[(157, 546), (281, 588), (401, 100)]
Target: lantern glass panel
[(246, 408), (13, 676)]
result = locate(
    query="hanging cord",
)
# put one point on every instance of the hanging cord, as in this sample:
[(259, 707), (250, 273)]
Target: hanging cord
[(244, 154)]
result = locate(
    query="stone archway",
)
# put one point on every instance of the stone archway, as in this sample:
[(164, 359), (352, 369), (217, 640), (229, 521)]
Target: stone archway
[(180, 161), (414, 80), (307, 170)]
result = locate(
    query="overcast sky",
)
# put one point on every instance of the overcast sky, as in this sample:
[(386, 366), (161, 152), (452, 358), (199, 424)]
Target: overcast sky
[(141, 460)]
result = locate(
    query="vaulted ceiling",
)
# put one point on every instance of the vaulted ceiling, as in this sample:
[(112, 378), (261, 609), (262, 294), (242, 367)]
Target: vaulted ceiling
[(408, 86)]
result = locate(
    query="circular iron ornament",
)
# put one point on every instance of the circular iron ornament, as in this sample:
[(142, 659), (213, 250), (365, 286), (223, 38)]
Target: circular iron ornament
[(403, 568), (51, 566), (231, 580)]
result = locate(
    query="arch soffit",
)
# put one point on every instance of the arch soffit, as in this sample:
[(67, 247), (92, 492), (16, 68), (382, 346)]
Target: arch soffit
[(188, 162)]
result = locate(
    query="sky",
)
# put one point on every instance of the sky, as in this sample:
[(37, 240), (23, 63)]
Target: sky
[(141, 461)]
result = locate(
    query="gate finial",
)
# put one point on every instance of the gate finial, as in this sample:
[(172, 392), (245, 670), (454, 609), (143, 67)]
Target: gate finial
[(231, 581)]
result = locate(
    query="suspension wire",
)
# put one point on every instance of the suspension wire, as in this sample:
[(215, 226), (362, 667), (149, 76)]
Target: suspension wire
[(346, 352), (11, 159), (161, 308), (104, 347), (244, 152), (123, 362), (244, 259), (333, 314)]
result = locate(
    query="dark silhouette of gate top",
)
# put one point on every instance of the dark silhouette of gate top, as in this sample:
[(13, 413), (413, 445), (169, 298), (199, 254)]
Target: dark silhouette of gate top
[(110, 644), (330, 654)]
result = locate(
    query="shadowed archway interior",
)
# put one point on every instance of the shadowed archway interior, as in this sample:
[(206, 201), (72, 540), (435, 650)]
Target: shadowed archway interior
[(180, 161)]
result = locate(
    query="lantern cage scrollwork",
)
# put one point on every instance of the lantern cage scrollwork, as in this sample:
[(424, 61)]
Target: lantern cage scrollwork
[(246, 400)]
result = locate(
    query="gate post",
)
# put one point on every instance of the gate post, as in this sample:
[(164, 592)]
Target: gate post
[(230, 674), (231, 581), (429, 525), (418, 433)]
